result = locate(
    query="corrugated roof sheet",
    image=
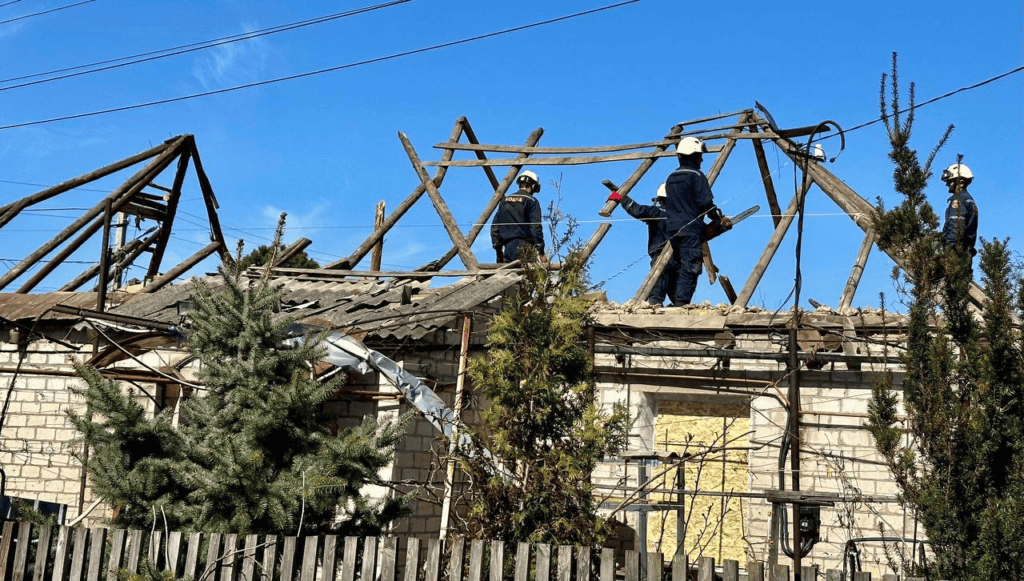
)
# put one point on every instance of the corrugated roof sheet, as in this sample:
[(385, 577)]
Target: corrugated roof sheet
[(26, 307)]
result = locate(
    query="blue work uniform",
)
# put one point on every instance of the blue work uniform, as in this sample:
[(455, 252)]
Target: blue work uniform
[(961, 226), (517, 222), (656, 218), (688, 200)]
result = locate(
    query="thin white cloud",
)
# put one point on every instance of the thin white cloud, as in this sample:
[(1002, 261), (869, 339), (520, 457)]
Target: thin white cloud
[(233, 63)]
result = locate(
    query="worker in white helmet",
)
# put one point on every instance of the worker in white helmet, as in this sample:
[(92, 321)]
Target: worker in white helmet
[(656, 217), (518, 221), (961, 225), (689, 200)]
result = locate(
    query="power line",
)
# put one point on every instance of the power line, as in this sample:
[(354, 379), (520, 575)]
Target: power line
[(44, 11), (186, 48), (9, 3), (319, 71)]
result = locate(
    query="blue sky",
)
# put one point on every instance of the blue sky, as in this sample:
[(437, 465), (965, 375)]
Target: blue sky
[(325, 148)]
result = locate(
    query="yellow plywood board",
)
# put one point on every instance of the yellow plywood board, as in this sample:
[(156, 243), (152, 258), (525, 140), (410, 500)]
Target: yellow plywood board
[(714, 525)]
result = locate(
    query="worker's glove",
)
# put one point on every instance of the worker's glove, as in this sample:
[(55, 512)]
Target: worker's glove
[(615, 197), (726, 223), (500, 252), (716, 216)]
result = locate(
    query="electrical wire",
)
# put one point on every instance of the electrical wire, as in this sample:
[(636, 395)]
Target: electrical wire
[(9, 3), (57, 9), (318, 71), (187, 48)]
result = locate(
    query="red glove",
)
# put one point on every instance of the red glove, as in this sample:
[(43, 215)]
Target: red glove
[(616, 196)]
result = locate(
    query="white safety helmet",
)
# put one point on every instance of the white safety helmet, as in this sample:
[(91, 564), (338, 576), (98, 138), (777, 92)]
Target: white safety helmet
[(661, 192), (531, 176), (957, 170), (689, 146)]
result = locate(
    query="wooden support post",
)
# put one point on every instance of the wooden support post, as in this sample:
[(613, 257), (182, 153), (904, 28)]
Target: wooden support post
[(292, 250), (652, 277), (596, 239), (575, 160), (378, 234), (768, 253), (471, 136), (499, 194), (766, 179), (465, 253), (168, 222), (181, 268), (101, 294), (118, 197), (378, 248), (857, 271), (9, 211), (460, 386), (639, 172)]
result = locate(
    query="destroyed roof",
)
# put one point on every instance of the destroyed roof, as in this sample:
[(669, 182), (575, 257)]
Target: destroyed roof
[(396, 308)]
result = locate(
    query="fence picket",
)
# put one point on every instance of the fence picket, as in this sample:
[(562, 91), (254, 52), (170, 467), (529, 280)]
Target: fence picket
[(248, 566), (173, 552), (5, 548), (412, 559), (388, 559), (497, 560), (98, 539), (330, 565), (269, 556), (77, 555), (60, 556), (731, 570), (608, 565), (780, 573), (706, 569), (153, 551), (21, 551), (890, 577), (522, 562), (680, 566), (288, 558), (455, 560), (632, 566), (228, 556), (348, 560), (655, 567), (43, 552), (476, 560), (811, 574), (755, 571), (212, 552), (837, 575), (862, 576), (369, 558), (308, 571), (564, 570), (191, 557), (583, 564), (433, 560), (543, 562)]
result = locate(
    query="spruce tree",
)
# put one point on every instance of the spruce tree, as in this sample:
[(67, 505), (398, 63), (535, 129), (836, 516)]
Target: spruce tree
[(959, 457), (252, 453), (543, 423)]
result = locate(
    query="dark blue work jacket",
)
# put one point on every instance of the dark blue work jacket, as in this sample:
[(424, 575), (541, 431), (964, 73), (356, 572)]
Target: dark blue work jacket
[(518, 218), (655, 216), (961, 225), (689, 199)]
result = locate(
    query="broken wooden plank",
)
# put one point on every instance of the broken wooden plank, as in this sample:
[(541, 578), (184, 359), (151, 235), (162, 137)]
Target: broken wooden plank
[(638, 173), (766, 180), (378, 249), (768, 253), (857, 271), (578, 160), (178, 270)]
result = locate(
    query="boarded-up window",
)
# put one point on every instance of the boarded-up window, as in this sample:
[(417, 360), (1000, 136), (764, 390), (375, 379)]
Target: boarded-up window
[(711, 518)]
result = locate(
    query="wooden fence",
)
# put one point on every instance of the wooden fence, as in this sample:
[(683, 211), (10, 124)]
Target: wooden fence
[(42, 553)]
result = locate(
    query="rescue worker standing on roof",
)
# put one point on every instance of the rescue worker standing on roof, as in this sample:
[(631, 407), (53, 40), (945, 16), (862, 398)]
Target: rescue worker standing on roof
[(688, 201), (961, 227), (518, 220), (656, 217)]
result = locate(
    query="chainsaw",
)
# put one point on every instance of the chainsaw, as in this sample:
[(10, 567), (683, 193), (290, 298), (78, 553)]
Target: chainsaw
[(714, 229)]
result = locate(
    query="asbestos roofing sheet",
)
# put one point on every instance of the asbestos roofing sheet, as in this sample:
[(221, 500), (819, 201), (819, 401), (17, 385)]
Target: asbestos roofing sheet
[(26, 307)]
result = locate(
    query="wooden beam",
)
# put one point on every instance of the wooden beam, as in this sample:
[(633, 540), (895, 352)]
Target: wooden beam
[(858, 270), (118, 197), (652, 277), (473, 141), (164, 234), (210, 200), (499, 194), (766, 179), (400, 211), (638, 173), (582, 160), (336, 274), (715, 117), (101, 290), (9, 211), (378, 248), (769, 252), (596, 239), (293, 249), (465, 253), (178, 270)]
